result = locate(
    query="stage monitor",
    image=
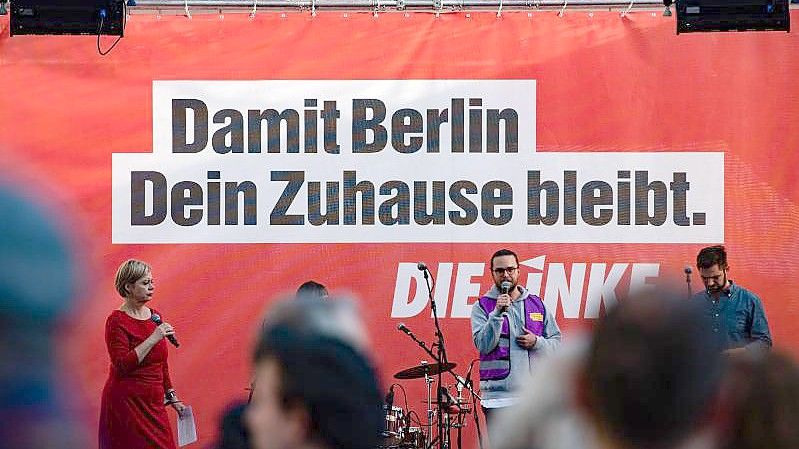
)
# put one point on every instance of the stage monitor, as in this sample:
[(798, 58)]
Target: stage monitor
[(67, 17), (732, 15)]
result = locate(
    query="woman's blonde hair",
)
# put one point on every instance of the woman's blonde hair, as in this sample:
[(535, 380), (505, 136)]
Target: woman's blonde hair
[(128, 273)]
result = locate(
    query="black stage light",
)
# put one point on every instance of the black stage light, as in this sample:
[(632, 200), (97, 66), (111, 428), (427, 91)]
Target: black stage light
[(105, 17), (732, 15)]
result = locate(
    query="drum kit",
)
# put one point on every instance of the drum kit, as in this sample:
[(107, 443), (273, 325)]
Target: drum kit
[(404, 428)]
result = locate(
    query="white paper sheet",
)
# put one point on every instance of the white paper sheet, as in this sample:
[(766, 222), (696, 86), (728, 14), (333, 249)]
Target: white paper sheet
[(187, 432)]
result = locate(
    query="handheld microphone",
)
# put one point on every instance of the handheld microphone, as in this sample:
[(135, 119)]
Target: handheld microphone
[(421, 266), (687, 270), (156, 318), (505, 287)]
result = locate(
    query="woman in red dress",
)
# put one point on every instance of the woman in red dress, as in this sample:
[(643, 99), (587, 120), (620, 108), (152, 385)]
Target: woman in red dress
[(133, 411)]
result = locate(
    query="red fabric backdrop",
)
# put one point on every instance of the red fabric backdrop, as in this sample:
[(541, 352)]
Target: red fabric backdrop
[(604, 83)]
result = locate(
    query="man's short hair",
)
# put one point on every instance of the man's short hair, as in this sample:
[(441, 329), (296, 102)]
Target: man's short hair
[(332, 380), (312, 289), (653, 370), (712, 255), (503, 252)]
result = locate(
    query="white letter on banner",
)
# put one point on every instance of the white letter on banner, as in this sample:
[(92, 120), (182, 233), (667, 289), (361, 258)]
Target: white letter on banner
[(640, 273), (535, 278), (401, 308), (441, 288), (465, 288), (601, 289), (570, 293)]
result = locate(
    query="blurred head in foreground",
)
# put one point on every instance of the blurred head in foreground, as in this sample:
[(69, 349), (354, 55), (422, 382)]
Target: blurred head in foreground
[(763, 390), (38, 279), (314, 386), (312, 289), (652, 374)]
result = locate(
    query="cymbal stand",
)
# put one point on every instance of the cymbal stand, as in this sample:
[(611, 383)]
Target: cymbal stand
[(462, 382), (428, 379)]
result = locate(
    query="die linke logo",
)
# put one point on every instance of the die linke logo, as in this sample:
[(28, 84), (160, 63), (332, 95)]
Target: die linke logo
[(571, 290)]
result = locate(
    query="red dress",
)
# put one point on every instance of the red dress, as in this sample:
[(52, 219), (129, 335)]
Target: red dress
[(132, 411)]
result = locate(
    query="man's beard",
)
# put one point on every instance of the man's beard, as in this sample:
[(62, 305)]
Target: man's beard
[(513, 284), (719, 288)]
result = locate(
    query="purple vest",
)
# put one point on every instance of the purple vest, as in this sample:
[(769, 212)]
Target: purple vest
[(496, 364)]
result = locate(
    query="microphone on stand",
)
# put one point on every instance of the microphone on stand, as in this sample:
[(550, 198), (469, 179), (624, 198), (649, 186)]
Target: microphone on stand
[(464, 382), (469, 374), (459, 387), (421, 266), (401, 326), (687, 270)]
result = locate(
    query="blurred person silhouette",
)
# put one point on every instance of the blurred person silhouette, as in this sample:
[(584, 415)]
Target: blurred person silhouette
[(648, 377), (314, 385), (763, 394), (39, 272), (233, 434), (334, 326)]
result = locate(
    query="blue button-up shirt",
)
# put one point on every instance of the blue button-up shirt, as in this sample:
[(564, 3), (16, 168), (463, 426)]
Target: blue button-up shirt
[(738, 318)]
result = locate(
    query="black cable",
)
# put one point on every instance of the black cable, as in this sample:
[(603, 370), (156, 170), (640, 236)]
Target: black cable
[(404, 395), (100, 30), (418, 419), (474, 409)]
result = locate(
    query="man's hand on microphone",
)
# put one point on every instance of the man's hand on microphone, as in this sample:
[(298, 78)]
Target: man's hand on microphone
[(503, 302), (527, 341)]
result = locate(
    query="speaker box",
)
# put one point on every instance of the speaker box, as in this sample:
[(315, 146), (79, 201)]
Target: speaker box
[(67, 17), (732, 15)]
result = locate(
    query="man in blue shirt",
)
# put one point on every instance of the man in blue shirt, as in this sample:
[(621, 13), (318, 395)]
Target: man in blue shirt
[(736, 313)]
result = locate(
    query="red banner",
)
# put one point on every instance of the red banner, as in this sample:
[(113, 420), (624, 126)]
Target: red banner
[(596, 115)]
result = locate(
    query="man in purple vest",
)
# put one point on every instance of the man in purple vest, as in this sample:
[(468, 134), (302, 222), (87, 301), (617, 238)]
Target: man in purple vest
[(511, 327)]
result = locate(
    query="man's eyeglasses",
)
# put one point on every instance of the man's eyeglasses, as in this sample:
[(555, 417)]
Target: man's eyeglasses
[(500, 271)]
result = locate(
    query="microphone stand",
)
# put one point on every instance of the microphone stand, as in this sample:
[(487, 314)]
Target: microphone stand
[(442, 357), (467, 384)]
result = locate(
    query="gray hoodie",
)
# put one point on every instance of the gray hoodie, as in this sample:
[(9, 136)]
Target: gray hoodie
[(485, 334)]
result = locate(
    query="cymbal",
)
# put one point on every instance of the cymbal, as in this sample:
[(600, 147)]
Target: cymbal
[(418, 372)]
